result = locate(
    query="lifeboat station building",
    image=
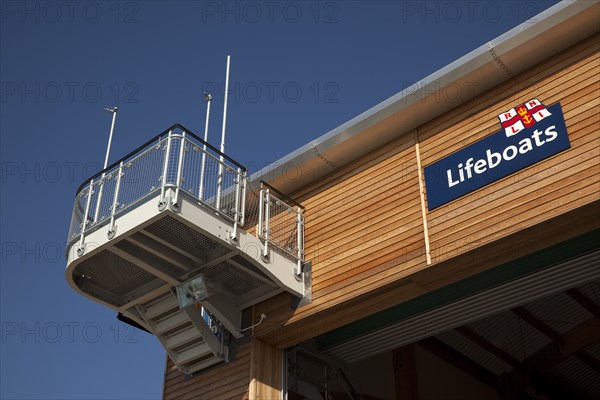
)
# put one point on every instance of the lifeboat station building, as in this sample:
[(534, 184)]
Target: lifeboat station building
[(433, 247)]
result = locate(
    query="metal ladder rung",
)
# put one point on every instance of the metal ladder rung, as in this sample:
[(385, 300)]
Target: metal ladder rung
[(200, 350), (204, 364), (164, 305), (183, 337), (171, 322)]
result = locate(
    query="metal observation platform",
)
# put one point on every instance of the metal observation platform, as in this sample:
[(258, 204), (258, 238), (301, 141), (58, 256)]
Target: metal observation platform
[(176, 238)]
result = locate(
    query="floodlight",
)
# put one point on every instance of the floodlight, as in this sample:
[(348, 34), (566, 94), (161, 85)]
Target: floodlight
[(194, 290)]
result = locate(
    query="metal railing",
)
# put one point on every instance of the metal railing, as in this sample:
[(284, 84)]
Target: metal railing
[(281, 224), (175, 159), (179, 160)]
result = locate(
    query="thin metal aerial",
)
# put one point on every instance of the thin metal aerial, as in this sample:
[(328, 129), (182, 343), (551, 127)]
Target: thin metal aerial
[(110, 135), (208, 99), (220, 177)]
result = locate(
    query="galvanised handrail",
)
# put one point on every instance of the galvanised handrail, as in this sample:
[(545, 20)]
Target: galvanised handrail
[(149, 142), (281, 224), (169, 160), (179, 160)]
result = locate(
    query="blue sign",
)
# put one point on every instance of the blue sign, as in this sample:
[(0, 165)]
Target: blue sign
[(528, 137)]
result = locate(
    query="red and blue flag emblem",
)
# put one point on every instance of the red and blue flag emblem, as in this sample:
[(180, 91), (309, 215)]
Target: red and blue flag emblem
[(524, 116)]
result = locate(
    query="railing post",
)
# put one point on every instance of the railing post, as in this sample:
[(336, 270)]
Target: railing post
[(99, 201), (219, 184), (236, 213), (243, 207), (115, 203), (165, 171), (300, 239), (179, 167), (266, 226), (261, 204), (201, 188), (80, 249)]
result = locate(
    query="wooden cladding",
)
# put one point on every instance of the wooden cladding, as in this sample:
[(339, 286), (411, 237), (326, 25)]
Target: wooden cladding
[(557, 185), (365, 222), (265, 371), (363, 230), (224, 381), (254, 374)]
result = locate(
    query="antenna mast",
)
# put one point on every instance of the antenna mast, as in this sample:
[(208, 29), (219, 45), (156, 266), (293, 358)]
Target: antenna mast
[(110, 135), (112, 128), (220, 178), (225, 106), (208, 99)]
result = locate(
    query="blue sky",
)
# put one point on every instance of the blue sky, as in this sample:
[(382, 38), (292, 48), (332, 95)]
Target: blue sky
[(299, 69)]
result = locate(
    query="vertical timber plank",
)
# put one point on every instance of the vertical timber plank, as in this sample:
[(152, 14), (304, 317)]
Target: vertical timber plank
[(265, 371)]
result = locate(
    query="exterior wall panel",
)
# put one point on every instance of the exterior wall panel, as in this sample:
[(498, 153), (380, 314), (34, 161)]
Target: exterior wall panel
[(364, 225), (368, 218), (556, 185), (364, 229)]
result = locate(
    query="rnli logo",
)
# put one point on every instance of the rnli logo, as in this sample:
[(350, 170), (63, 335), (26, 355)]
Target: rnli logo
[(530, 133), (524, 116)]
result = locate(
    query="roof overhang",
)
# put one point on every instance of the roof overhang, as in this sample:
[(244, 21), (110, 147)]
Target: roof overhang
[(524, 46)]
